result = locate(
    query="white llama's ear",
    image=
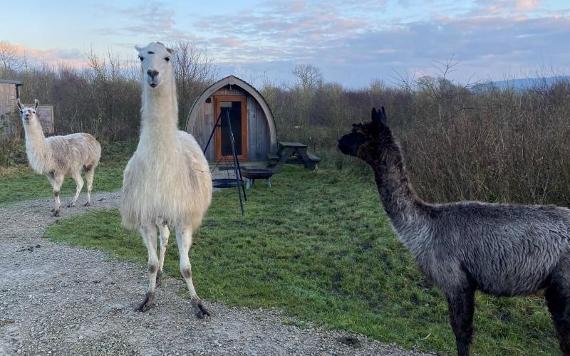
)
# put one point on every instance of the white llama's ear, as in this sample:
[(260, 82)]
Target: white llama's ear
[(170, 50), (19, 103), (36, 103)]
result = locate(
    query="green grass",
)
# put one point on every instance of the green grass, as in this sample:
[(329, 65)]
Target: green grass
[(19, 182), (318, 246)]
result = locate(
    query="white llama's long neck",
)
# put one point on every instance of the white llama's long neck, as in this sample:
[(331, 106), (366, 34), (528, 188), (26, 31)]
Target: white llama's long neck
[(37, 149), (159, 117)]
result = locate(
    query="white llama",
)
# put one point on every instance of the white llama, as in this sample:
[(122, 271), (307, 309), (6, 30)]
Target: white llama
[(59, 156), (167, 181)]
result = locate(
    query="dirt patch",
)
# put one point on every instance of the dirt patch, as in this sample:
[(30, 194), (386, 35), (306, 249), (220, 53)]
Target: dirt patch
[(66, 300)]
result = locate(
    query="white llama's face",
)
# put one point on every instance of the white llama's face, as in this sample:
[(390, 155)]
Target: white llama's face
[(156, 63), (28, 114)]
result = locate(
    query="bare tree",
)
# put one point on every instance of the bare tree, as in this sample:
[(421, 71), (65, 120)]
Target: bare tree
[(9, 59), (194, 71), (308, 76)]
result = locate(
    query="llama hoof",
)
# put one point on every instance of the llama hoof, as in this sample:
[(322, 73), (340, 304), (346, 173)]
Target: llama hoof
[(71, 205), (158, 279), (56, 213), (147, 303), (201, 311), (87, 204)]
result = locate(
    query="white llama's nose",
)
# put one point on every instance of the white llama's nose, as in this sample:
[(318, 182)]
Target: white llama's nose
[(152, 73)]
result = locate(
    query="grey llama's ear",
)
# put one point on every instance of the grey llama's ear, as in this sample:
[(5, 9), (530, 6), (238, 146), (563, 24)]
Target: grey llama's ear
[(19, 103), (36, 103), (379, 116), (384, 118)]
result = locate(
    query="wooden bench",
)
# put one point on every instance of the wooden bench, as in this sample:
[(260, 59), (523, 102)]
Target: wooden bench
[(251, 174)]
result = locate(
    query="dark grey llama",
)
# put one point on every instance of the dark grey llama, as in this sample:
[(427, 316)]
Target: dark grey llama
[(500, 249)]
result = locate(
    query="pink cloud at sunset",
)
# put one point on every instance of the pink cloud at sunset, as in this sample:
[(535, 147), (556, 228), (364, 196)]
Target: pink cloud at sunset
[(71, 58)]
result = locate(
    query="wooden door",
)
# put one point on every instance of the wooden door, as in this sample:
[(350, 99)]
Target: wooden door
[(234, 109)]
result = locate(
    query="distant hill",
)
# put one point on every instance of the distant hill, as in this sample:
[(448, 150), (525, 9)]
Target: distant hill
[(522, 83)]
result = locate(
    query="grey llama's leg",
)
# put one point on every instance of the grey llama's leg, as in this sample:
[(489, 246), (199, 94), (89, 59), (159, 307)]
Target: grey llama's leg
[(164, 235), (461, 307), (56, 181), (148, 234), (184, 242), (78, 186), (558, 300), (89, 174)]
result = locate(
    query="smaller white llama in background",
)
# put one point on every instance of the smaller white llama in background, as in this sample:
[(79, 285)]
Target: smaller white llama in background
[(59, 156)]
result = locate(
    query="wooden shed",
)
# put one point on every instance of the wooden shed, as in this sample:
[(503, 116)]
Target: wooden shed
[(250, 116), (9, 93)]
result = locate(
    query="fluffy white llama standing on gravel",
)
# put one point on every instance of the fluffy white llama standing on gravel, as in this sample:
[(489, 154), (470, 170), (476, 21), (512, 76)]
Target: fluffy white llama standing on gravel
[(167, 182), (59, 156)]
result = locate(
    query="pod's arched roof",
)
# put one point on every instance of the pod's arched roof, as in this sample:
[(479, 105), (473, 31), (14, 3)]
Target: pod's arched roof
[(248, 88)]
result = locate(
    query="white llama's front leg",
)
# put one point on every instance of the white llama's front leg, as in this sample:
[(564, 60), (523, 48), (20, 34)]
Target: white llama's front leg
[(78, 186), (89, 173), (184, 242), (148, 234), (56, 181), (164, 235)]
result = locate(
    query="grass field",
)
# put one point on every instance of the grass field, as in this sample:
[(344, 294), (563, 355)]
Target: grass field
[(318, 246)]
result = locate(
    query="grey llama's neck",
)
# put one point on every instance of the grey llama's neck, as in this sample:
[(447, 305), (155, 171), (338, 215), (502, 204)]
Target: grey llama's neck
[(403, 207)]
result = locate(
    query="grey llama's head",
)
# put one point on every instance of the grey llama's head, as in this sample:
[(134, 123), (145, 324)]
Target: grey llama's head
[(28, 114), (156, 63), (368, 141)]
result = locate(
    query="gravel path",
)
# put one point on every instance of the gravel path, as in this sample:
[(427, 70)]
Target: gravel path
[(62, 300)]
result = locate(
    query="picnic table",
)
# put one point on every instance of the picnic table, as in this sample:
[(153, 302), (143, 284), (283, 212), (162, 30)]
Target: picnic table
[(293, 152)]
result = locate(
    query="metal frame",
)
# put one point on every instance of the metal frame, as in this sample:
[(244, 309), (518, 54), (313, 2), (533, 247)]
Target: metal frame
[(237, 169)]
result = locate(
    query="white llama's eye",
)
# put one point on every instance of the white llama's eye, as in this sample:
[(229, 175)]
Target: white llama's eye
[(141, 58), (33, 111), (167, 59)]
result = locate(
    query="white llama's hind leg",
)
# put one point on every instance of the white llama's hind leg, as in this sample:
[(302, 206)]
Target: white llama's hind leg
[(89, 174), (184, 242), (148, 234), (164, 235), (56, 181), (78, 186)]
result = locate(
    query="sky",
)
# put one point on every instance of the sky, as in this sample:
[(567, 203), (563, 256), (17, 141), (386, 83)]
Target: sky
[(351, 42)]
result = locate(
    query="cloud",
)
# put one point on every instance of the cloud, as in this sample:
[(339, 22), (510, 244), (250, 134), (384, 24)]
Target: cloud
[(349, 43), (527, 5), (484, 48), (335, 34), (284, 29), (506, 7), (154, 20), (68, 57)]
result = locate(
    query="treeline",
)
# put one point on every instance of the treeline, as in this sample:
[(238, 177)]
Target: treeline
[(104, 98), (474, 143), (460, 142)]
